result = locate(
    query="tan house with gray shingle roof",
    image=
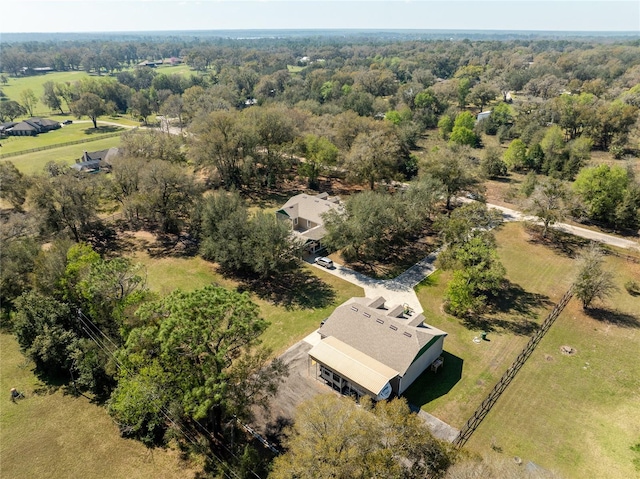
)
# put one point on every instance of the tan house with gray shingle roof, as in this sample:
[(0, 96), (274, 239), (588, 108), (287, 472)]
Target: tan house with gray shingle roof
[(304, 213), (368, 348)]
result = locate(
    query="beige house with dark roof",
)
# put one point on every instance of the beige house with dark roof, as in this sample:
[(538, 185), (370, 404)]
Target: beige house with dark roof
[(369, 348), (304, 213)]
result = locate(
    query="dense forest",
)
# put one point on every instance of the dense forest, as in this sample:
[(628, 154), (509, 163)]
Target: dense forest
[(393, 122)]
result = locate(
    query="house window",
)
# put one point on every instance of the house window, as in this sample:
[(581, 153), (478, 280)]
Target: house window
[(308, 223), (295, 221)]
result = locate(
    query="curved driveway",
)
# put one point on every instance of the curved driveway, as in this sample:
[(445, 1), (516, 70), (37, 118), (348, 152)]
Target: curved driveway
[(400, 290)]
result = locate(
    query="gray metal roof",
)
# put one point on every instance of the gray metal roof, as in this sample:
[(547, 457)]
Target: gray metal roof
[(101, 155)]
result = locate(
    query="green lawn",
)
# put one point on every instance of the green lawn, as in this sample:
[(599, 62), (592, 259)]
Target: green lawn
[(71, 437), (119, 119), (51, 434), (16, 85), (295, 68), (35, 82), (566, 413), (289, 324), (31, 163), (73, 132)]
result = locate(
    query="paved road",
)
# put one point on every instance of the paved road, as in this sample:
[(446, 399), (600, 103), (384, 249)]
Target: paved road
[(111, 123), (513, 215)]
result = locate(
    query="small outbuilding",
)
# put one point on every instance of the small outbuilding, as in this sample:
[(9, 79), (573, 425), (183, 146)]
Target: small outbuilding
[(484, 115)]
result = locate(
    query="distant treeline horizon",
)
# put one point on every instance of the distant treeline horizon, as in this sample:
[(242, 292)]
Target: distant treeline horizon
[(360, 34)]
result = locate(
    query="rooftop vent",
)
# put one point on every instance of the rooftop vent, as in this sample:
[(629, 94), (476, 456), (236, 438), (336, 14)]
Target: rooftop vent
[(378, 320), (395, 328), (408, 335), (366, 315), (353, 308)]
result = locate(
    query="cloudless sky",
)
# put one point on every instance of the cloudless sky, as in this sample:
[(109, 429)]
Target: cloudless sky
[(157, 15)]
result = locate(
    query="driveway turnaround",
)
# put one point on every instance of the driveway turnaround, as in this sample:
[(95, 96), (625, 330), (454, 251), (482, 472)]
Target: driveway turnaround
[(396, 291)]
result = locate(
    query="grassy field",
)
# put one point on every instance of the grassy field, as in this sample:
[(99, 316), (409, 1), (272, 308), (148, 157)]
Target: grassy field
[(71, 437), (73, 132), (31, 163), (35, 82), (289, 323), (50, 434), (295, 68), (566, 413)]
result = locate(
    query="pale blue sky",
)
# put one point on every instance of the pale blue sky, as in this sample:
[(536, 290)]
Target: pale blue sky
[(146, 15)]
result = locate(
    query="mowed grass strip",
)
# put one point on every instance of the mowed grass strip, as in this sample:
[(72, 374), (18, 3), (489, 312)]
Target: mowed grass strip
[(472, 368), (50, 434), (31, 163), (288, 325)]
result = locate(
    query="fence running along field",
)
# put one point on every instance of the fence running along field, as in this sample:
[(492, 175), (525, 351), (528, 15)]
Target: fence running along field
[(60, 145), (472, 424)]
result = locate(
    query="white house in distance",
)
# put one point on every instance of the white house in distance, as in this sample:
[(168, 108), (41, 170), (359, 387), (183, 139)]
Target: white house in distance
[(367, 348), (304, 213), (483, 115)]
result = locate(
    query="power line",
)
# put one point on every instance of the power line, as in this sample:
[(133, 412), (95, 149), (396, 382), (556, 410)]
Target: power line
[(87, 323)]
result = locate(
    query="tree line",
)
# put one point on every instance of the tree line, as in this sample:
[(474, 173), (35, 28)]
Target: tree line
[(252, 126)]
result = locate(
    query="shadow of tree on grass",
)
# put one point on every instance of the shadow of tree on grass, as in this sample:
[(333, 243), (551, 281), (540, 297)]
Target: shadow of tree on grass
[(519, 326), (522, 307), (292, 289), (615, 317), (103, 129), (514, 299), (561, 242)]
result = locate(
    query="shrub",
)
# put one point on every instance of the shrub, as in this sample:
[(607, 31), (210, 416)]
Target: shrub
[(632, 287)]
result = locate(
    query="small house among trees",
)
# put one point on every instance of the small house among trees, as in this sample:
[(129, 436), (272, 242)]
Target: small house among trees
[(370, 349), (304, 213), (92, 162)]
